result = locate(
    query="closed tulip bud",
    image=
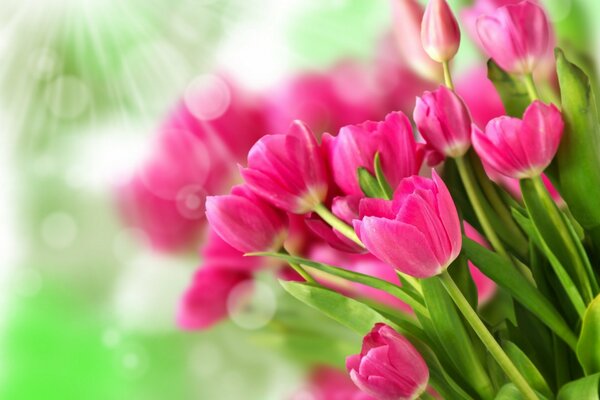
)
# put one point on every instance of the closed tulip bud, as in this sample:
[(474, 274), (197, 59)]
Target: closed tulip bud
[(521, 148), (288, 170), (444, 122), (356, 145), (418, 232), (516, 36), (388, 366), (246, 222), (440, 33)]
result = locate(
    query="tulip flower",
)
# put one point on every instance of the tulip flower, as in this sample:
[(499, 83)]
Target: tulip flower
[(408, 16), (288, 170), (388, 366), (418, 232), (440, 34), (356, 145), (521, 148), (444, 122), (479, 95), (516, 36), (205, 302), (246, 222)]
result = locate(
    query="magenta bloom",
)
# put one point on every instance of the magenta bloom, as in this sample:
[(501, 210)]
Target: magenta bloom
[(388, 366), (327, 383), (288, 170), (515, 36), (479, 95), (521, 148), (418, 232), (205, 302), (246, 222), (440, 34), (356, 146), (444, 122)]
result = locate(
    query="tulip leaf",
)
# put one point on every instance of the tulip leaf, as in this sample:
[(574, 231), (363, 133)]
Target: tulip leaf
[(368, 280), (350, 313), (501, 271), (510, 392), (511, 89), (587, 388), (588, 346), (527, 368), (454, 337), (579, 152), (369, 184), (383, 183)]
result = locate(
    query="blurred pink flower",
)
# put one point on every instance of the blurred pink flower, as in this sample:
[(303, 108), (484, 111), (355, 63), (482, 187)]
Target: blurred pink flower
[(328, 383), (480, 95)]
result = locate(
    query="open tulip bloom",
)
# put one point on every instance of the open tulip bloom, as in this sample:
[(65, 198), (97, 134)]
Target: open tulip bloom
[(494, 286)]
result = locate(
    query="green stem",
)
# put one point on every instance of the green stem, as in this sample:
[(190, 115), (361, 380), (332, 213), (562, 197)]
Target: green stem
[(337, 224), (468, 180), (531, 88), (486, 337), (558, 221), (447, 75), (298, 268)]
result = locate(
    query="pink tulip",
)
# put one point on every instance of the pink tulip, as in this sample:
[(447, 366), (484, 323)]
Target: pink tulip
[(515, 36), (205, 302), (325, 101), (418, 232), (408, 15), (440, 34), (246, 222), (486, 288), (328, 383), (356, 146), (288, 170), (444, 122), (521, 148), (388, 366)]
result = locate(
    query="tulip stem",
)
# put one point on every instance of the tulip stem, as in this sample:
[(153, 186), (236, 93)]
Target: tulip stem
[(298, 268), (337, 223), (531, 88), (447, 75), (486, 337)]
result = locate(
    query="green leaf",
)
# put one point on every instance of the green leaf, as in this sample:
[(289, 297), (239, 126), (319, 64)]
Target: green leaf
[(369, 184), (510, 392), (454, 337), (579, 152), (505, 275), (461, 275), (587, 388), (527, 368), (383, 183), (588, 346), (511, 89), (350, 313), (368, 280)]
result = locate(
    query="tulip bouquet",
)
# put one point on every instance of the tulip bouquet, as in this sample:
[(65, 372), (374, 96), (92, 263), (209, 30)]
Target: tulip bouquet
[(465, 252)]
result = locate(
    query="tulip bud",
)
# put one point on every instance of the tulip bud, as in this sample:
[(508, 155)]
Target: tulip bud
[(408, 15), (246, 222), (516, 36), (388, 366), (444, 122), (418, 232), (356, 145), (440, 34), (521, 148), (288, 170)]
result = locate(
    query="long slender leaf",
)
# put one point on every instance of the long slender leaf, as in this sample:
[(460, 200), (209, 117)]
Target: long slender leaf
[(588, 346), (587, 388), (527, 368), (504, 274)]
